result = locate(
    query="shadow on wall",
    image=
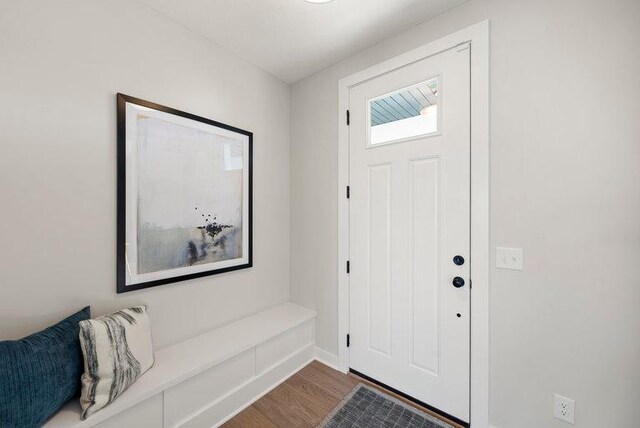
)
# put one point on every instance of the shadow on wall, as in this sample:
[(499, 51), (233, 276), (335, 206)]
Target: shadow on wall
[(98, 308)]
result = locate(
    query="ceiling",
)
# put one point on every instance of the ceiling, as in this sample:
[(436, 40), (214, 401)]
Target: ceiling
[(292, 39), (403, 104)]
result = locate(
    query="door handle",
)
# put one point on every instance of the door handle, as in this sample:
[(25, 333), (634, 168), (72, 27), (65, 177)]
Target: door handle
[(458, 282)]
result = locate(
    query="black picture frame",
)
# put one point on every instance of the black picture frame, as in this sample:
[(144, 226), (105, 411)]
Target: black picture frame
[(122, 287)]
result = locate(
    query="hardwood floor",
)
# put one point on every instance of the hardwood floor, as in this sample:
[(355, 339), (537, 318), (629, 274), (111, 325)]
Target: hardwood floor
[(303, 400)]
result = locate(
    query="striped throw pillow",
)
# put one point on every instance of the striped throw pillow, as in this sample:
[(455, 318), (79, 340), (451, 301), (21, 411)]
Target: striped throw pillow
[(117, 349)]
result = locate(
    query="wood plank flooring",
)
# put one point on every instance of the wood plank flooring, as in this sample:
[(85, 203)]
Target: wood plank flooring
[(303, 400)]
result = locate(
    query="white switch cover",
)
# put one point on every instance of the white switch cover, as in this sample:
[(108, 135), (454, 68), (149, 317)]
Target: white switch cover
[(509, 258)]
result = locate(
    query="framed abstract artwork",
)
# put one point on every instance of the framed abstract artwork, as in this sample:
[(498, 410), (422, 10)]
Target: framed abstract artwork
[(184, 196)]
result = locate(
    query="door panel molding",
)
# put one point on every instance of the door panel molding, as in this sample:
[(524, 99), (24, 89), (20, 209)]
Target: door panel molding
[(379, 257), (477, 36), (420, 357)]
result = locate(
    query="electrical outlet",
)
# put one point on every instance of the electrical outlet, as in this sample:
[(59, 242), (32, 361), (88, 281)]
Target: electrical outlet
[(564, 408)]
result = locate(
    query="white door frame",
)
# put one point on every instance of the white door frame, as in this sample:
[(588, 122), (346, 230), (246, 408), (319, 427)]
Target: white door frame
[(478, 36)]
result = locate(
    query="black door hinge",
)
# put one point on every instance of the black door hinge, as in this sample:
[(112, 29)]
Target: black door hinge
[(348, 266), (348, 340), (348, 192), (348, 118)]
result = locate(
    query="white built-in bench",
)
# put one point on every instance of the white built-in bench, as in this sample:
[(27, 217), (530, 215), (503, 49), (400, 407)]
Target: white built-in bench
[(204, 381)]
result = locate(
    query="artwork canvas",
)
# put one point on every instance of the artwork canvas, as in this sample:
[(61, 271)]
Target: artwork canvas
[(184, 195)]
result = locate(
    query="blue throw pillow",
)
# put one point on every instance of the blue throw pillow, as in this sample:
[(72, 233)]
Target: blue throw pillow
[(40, 373)]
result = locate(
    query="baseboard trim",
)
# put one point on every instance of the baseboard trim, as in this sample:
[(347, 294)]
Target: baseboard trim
[(327, 358)]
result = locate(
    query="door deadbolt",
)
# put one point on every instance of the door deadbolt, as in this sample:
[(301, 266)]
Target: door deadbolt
[(458, 260)]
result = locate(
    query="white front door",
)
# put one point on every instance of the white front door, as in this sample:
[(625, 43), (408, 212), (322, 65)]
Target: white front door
[(409, 221)]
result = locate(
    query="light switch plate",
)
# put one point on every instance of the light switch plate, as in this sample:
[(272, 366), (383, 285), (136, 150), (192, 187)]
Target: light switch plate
[(509, 258)]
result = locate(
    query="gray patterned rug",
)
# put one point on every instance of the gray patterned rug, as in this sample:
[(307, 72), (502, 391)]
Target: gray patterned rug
[(366, 407)]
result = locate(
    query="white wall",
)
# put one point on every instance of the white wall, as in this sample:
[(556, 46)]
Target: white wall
[(61, 64), (565, 168)]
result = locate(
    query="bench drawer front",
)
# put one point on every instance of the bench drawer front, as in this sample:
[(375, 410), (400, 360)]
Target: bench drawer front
[(275, 350), (185, 400), (147, 414)]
